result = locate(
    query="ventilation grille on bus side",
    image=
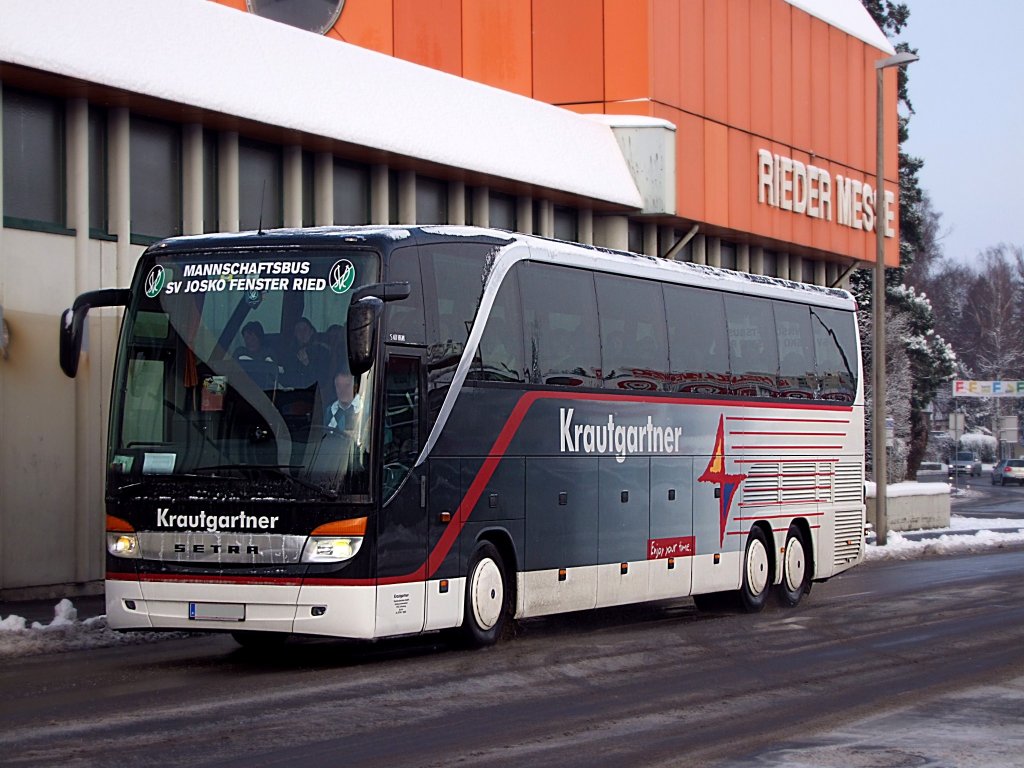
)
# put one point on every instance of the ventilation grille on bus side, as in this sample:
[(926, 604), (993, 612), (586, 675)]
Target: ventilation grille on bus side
[(849, 483), (849, 536)]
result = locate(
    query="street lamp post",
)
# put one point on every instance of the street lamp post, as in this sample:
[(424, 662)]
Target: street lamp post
[(878, 441)]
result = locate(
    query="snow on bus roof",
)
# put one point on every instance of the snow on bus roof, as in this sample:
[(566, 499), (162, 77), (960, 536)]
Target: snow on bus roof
[(202, 54)]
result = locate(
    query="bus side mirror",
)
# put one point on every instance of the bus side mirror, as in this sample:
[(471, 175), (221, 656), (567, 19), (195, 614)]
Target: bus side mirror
[(363, 316), (72, 323)]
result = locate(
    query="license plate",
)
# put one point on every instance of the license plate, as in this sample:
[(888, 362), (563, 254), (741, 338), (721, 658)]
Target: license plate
[(216, 611)]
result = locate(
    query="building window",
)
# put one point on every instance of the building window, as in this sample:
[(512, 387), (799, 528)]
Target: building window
[(259, 186), (351, 193), (311, 15), (33, 160), (566, 224), (155, 179), (99, 224), (502, 212)]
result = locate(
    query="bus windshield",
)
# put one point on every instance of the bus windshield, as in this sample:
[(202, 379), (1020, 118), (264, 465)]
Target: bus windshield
[(233, 376)]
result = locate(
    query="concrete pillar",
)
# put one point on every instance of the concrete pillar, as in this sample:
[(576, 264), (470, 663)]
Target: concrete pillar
[(546, 226), (713, 251), (524, 214), (819, 272), (293, 186), (651, 239), (482, 206), (796, 268), (407, 197), (831, 272), (742, 257), (323, 189), (585, 226), (85, 503), (119, 178), (192, 179), (699, 249), (782, 270), (615, 234), (757, 260), (380, 195), (227, 182), (457, 202)]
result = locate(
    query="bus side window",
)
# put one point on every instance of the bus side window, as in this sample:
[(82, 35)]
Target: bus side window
[(401, 438), (753, 348), (634, 347), (835, 347), (501, 346), (698, 341), (404, 322), (561, 326), (796, 350)]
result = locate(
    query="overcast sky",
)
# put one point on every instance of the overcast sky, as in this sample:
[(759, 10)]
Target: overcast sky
[(968, 97)]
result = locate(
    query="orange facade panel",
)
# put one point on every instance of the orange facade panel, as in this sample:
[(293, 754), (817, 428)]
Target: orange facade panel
[(689, 164), (368, 24), (794, 75), (429, 32), (761, 66), (568, 51), (497, 44), (691, 56), (716, 61), (819, 94), (737, 70), (741, 182), (716, 173), (838, 116), (627, 50), (666, 51)]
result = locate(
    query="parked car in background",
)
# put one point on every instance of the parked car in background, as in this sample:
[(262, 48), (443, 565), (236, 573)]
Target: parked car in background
[(932, 472), (967, 463), (1008, 470)]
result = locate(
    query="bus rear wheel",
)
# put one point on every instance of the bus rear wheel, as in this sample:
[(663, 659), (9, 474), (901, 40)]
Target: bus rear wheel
[(488, 598), (756, 572), (796, 569)]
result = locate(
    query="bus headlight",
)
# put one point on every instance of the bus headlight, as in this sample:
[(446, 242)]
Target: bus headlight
[(123, 544), (331, 549)]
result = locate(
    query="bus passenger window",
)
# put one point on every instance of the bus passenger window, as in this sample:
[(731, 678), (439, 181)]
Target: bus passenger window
[(501, 346), (403, 320), (698, 341), (634, 347), (753, 349), (835, 347), (561, 325), (796, 350)]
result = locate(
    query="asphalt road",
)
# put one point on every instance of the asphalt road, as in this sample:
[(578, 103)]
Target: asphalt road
[(850, 676)]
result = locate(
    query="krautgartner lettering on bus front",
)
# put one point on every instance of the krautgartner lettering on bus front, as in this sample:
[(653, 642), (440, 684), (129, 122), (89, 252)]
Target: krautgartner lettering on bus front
[(608, 437)]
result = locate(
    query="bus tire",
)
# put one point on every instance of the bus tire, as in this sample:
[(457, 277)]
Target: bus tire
[(488, 597), (796, 569), (756, 572)]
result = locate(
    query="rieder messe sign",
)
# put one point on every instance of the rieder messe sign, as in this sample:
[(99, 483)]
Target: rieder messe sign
[(968, 388), (791, 185)]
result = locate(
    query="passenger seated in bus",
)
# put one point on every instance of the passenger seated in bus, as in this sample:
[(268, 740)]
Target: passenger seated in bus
[(253, 343), (343, 414), (310, 359)]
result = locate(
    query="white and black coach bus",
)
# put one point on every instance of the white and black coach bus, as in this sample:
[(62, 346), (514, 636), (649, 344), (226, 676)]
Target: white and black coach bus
[(379, 431)]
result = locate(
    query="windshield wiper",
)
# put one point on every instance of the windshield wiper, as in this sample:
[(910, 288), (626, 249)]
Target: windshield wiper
[(278, 470)]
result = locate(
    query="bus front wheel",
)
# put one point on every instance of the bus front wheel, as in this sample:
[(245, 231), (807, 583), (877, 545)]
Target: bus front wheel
[(756, 572), (488, 599)]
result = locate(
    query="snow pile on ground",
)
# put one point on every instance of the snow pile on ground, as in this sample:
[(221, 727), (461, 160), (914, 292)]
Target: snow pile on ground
[(64, 633), (964, 535)]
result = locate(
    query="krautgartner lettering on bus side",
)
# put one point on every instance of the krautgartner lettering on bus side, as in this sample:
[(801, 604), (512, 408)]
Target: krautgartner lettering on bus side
[(607, 437)]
